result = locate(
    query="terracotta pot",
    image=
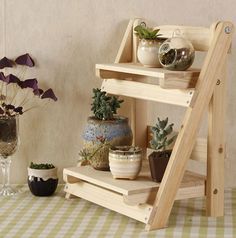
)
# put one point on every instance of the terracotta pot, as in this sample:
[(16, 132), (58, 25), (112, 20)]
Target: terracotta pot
[(117, 132), (42, 182), (158, 161)]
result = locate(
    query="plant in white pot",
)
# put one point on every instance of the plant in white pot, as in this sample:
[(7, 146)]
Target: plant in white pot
[(42, 179), (125, 161), (105, 129), (149, 43), (162, 139)]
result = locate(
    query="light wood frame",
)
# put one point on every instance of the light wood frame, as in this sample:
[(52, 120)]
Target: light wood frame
[(208, 93)]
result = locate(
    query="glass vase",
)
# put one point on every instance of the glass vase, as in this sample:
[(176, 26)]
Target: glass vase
[(8, 144)]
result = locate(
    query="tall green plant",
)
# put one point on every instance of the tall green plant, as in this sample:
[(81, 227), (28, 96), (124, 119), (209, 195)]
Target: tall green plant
[(161, 135), (103, 106)]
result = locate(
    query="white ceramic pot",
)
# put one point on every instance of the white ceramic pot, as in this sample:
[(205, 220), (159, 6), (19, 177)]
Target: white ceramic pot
[(125, 162), (148, 53)]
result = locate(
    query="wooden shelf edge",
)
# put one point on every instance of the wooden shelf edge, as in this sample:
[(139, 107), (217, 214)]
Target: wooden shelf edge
[(168, 79)]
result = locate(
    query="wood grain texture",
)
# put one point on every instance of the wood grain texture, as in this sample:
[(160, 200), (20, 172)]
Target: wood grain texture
[(198, 36), (108, 199), (147, 92), (216, 148), (187, 135)]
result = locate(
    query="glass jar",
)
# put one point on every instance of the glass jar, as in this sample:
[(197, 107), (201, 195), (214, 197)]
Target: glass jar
[(176, 53)]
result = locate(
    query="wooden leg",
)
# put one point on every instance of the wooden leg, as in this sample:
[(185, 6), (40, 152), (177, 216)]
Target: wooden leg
[(68, 196), (216, 150), (188, 133)]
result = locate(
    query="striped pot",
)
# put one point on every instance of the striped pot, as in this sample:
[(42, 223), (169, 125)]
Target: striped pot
[(125, 162)]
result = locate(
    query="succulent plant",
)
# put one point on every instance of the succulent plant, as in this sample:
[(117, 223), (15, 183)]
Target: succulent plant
[(161, 135), (147, 33), (104, 107), (41, 166)]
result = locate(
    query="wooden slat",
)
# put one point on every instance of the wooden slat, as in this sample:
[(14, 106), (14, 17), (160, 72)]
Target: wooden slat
[(147, 92), (216, 149), (199, 36), (205, 86), (108, 199), (132, 69), (125, 53), (136, 192), (105, 179)]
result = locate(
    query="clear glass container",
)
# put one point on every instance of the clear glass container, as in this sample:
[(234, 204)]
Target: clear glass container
[(176, 53), (8, 145)]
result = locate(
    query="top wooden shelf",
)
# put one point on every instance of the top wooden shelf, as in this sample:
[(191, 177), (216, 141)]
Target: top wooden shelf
[(167, 78)]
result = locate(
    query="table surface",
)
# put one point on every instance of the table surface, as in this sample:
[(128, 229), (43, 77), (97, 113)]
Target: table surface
[(25, 216)]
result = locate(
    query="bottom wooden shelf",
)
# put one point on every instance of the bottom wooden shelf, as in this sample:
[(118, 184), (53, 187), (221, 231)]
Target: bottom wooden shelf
[(133, 198)]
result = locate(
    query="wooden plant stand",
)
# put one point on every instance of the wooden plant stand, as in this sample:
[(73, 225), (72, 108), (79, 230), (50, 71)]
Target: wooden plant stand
[(198, 91)]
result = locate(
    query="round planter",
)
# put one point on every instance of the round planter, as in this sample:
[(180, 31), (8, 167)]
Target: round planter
[(117, 132), (148, 53), (42, 182), (125, 162)]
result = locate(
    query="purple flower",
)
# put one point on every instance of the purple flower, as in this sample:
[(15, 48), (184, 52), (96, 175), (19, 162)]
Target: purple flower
[(5, 62), (2, 77), (29, 83), (25, 60), (11, 78), (38, 92), (49, 94)]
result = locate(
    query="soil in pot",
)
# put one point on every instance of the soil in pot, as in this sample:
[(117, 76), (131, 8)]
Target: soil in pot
[(158, 161)]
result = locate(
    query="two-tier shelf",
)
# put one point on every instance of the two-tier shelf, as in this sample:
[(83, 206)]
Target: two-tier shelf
[(198, 90)]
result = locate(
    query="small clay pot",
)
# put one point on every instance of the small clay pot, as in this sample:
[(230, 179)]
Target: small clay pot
[(42, 182), (158, 161)]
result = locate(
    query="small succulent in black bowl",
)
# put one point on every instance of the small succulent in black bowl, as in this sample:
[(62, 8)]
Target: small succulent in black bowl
[(42, 179)]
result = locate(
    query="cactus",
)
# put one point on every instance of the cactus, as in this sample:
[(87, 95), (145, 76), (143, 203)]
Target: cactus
[(161, 135), (104, 107)]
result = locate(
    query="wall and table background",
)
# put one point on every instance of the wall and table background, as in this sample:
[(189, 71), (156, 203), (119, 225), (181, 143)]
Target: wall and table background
[(66, 39)]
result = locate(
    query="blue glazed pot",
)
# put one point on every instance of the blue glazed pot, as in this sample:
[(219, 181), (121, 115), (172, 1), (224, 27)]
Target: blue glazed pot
[(117, 132)]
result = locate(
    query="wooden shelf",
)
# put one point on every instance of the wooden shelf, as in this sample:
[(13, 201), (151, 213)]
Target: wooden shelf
[(167, 78), (143, 199), (193, 185)]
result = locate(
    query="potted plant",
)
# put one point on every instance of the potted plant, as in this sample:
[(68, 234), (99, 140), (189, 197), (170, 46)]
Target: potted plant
[(161, 140), (105, 124), (149, 43), (42, 179), (125, 161), (17, 96)]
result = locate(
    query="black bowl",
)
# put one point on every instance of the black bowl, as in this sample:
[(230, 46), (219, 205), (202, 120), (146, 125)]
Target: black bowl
[(39, 187)]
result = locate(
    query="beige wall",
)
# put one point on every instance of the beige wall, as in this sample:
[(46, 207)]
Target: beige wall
[(67, 38)]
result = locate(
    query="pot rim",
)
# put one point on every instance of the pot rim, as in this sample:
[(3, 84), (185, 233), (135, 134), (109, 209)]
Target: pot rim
[(124, 150), (45, 174), (116, 119)]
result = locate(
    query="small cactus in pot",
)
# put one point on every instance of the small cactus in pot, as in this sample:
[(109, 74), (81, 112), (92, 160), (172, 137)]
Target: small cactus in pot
[(104, 129), (162, 139)]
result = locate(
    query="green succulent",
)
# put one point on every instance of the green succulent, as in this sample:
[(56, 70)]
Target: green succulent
[(147, 33), (104, 107), (161, 132), (41, 166)]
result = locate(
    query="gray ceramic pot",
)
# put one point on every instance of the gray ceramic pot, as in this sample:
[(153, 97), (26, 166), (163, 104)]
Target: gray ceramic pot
[(117, 132)]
